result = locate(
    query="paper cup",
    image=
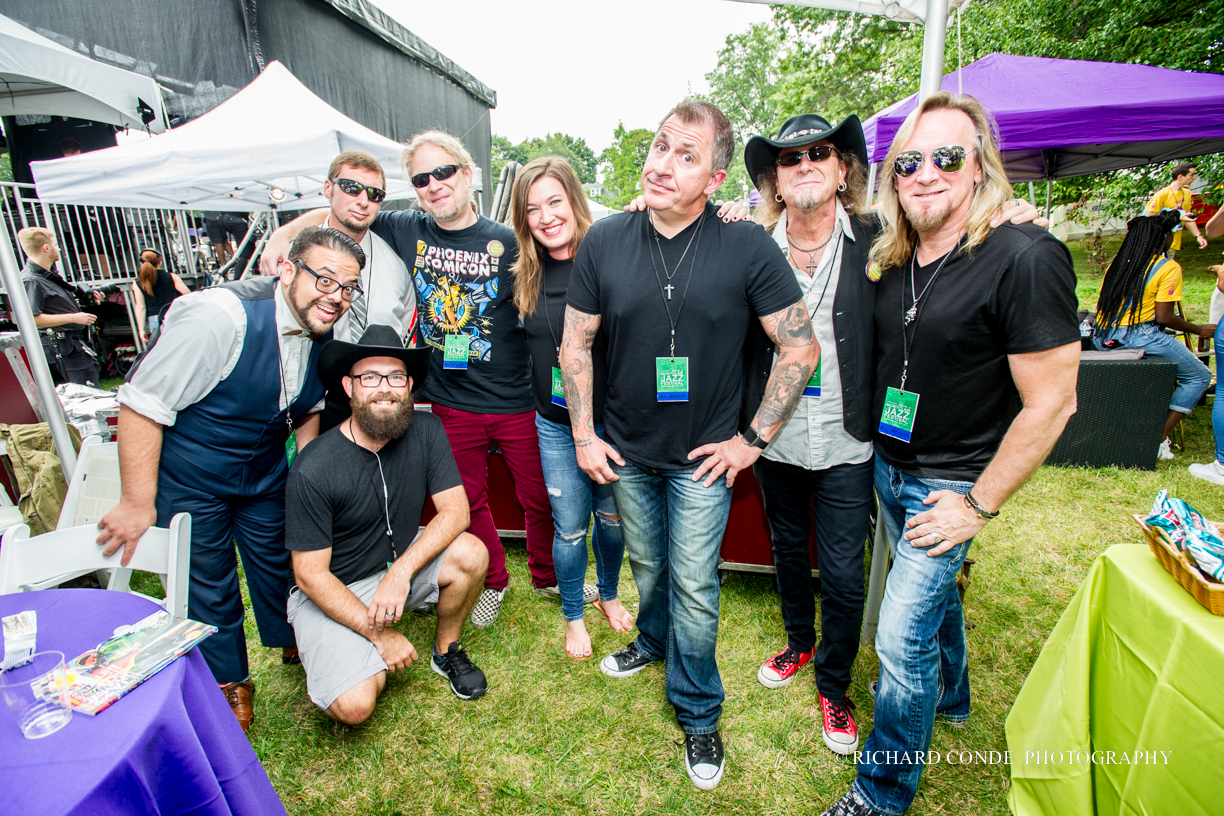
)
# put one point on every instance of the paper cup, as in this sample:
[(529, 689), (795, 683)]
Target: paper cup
[(37, 694)]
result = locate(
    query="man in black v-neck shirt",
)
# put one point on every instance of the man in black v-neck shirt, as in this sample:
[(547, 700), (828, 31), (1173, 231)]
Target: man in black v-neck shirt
[(674, 290), (971, 323)]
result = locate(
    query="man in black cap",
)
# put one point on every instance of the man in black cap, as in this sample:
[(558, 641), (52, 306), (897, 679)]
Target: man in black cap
[(813, 179), (353, 508)]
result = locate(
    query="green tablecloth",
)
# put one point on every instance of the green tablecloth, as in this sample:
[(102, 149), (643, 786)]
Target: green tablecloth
[(1134, 667)]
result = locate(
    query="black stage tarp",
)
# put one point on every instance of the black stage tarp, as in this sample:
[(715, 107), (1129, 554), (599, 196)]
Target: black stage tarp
[(349, 52)]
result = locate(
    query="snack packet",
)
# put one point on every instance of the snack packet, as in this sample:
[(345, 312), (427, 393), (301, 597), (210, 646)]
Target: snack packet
[(20, 635), (1192, 533)]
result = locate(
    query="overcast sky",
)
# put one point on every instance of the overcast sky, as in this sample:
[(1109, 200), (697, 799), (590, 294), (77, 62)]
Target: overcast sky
[(580, 66)]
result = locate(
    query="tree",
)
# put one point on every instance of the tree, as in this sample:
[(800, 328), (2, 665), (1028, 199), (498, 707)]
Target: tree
[(622, 164), (503, 152), (572, 149)]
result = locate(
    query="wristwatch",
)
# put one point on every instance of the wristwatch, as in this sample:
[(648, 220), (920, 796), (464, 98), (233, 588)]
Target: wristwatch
[(753, 437)]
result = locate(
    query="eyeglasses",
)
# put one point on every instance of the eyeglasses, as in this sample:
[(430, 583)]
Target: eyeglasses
[(354, 188), (326, 285), (949, 159), (371, 379), (816, 153), (440, 173)]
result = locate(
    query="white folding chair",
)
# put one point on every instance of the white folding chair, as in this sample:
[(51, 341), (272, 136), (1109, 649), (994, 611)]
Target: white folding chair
[(92, 491), (880, 560), (50, 559)]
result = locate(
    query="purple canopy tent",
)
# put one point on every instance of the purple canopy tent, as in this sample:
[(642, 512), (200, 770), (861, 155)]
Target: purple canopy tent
[(1065, 118)]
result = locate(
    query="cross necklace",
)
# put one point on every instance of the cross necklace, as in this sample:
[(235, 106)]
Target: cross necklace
[(811, 253), (672, 274)]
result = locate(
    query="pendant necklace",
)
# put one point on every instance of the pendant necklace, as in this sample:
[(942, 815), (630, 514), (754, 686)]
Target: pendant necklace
[(913, 309), (672, 274)]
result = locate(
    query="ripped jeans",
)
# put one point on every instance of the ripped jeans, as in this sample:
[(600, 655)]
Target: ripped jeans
[(573, 497)]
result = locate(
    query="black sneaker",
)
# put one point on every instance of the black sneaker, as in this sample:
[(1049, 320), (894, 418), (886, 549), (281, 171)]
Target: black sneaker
[(466, 680), (626, 662), (704, 759), (851, 805)]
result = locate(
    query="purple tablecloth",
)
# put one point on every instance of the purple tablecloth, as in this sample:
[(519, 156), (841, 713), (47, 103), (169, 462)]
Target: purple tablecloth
[(170, 746)]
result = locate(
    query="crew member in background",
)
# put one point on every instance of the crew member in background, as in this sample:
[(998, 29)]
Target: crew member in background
[(211, 416), (54, 303), (154, 290), (1177, 196)]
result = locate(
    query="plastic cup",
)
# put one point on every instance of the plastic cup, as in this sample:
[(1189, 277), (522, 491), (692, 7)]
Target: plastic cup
[(37, 694)]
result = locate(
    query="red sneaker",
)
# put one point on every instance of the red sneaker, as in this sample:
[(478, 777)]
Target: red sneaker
[(840, 731), (782, 667)]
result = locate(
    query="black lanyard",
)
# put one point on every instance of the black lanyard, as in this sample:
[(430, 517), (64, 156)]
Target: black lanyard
[(906, 340), (674, 322)]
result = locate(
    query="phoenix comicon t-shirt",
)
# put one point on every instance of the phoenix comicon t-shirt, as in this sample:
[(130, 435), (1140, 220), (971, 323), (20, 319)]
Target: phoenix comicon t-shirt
[(465, 292)]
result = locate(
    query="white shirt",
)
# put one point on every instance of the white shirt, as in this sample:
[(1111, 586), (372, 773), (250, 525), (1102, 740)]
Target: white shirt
[(200, 343), (389, 292), (814, 437)]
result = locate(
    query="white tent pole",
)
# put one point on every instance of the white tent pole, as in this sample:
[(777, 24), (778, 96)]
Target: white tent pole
[(1047, 212), (933, 36), (19, 305), (1032, 195), (871, 177)]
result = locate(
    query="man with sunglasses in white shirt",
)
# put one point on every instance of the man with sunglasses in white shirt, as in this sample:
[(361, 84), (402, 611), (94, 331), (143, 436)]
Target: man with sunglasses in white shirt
[(479, 378), (972, 321), (355, 189)]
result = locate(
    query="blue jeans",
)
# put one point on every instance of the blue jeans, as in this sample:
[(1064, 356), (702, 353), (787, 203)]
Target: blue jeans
[(1192, 376), (573, 496), (673, 533), (924, 669)]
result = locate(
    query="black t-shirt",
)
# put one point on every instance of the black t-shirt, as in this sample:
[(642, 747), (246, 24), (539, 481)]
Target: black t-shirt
[(738, 274), (334, 497), (163, 295), (544, 337), (464, 286), (1014, 294)]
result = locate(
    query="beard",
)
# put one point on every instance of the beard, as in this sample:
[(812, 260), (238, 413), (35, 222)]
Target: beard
[(929, 221), (354, 226), (316, 328), (382, 425), (808, 199)]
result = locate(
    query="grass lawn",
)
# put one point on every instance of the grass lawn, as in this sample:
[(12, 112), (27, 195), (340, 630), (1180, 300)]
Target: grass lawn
[(557, 737)]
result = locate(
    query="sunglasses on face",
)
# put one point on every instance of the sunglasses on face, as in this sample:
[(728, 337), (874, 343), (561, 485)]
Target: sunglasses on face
[(354, 189), (327, 285), (442, 173), (949, 159), (818, 153), (372, 380)]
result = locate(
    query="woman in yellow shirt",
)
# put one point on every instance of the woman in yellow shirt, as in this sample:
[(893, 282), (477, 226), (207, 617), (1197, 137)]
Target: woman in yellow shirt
[(1137, 299)]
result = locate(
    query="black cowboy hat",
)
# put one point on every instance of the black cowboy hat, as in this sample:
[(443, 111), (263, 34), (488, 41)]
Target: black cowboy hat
[(338, 357), (807, 128)]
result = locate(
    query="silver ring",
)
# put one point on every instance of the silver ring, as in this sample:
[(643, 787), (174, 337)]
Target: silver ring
[(938, 538)]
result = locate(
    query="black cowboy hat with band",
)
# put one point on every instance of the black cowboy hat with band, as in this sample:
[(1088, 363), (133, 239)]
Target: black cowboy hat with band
[(807, 128), (338, 357)]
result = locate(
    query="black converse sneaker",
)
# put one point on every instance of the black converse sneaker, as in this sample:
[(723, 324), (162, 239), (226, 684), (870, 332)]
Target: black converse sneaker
[(851, 805), (703, 759), (626, 662), (466, 680)]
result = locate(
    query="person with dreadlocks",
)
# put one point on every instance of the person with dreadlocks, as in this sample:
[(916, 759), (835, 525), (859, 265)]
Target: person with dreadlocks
[(1136, 303)]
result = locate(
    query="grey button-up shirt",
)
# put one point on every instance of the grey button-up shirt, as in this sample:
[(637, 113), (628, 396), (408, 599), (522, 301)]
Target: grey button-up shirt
[(814, 437)]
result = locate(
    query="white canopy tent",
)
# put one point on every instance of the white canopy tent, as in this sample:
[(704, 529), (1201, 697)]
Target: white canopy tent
[(267, 147), (40, 76)]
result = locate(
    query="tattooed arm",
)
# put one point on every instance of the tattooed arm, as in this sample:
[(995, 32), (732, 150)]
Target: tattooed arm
[(798, 354), (578, 381)]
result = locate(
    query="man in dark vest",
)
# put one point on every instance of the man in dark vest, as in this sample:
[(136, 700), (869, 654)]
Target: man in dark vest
[(211, 417)]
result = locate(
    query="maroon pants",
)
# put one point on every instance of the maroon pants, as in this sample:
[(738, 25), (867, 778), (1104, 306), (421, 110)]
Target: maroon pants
[(515, 434)]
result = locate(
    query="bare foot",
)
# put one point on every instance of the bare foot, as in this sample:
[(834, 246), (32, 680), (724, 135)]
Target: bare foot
[(618, 617), (577, 641)]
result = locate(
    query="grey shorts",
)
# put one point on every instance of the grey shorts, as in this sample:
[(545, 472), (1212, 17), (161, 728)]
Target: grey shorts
[(334, 656)]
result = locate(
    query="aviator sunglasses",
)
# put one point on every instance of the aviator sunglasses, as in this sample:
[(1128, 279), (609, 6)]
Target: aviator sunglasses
[(442, 173), (817, 153), (949, 159), (354, 189)]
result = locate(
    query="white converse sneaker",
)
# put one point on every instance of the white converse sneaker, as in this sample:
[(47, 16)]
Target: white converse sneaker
[(1211, 472), (487, 607), (1166, 451)]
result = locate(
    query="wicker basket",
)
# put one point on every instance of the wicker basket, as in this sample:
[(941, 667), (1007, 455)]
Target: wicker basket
[(1209, 593)]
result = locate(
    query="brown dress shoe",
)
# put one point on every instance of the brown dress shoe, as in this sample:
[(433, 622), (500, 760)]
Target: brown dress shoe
[(289, 656), (240, 697)]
